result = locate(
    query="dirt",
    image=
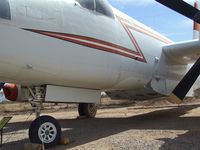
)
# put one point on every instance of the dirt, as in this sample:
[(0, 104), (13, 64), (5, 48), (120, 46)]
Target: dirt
[(150, 125)]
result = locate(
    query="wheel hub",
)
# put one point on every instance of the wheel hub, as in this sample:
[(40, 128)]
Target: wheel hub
[(47, 132)]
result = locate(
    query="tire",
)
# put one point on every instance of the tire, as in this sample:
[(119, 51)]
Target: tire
[(80, 109), (46, 129), (90, 110)]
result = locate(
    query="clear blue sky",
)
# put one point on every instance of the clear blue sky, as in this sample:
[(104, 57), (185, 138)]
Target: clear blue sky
[(158, 17)]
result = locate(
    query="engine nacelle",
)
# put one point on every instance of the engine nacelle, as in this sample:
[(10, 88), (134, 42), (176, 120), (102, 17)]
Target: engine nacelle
[(11, 91)]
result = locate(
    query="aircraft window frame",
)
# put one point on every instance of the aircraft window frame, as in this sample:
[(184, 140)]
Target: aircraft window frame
[(99, 6), (5, 10)]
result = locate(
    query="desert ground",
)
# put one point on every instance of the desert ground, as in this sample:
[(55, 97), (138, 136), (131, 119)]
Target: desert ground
[(149, 125)]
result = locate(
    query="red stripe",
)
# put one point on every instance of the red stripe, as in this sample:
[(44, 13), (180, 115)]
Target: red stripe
[(144, 31), (99, 41), (92, 45), (68, 37), (132, 38)]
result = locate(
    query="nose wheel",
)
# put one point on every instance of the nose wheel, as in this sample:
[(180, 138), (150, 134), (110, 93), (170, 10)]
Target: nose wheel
[(45, 130), (88, 110)]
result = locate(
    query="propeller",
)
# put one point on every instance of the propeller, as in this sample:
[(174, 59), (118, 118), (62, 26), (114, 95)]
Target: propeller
[(189, 79), (183, 8), (186, 83)]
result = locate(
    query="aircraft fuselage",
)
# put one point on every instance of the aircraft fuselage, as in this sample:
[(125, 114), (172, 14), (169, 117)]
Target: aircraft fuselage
[(61, 43)]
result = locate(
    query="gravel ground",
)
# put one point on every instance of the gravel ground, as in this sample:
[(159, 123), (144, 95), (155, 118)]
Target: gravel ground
[(120, 128)]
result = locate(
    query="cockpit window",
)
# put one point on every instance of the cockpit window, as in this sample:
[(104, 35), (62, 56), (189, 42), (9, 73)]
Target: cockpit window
[(5, 9), (89, 4), (103, 7), (100, 6)]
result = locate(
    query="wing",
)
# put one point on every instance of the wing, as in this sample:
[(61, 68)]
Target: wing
[(185, 52), (182, 53), (173, 67)]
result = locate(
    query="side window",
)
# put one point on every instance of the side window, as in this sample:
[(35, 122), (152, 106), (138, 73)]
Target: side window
[(89, 4), (103, 7), (5, 9)]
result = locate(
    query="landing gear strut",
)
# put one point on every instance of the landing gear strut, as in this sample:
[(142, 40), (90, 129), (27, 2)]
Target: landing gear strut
[(37, 106), (88, 110)]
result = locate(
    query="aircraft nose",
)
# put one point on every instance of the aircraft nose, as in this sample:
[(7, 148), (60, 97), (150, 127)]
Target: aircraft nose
[(10, 54)]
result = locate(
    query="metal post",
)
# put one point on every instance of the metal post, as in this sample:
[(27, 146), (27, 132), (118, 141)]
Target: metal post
[(1, 136)]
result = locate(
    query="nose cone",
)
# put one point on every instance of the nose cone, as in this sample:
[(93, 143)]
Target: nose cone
[(5, 9)]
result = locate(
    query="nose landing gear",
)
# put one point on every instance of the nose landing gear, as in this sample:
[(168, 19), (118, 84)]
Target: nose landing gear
[(44, 129)]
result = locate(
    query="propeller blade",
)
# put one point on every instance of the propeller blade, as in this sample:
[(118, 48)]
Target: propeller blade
[(182, 8), (186, 83)]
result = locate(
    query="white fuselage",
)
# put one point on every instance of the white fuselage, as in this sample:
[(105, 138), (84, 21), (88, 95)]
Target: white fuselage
[(61, 43)]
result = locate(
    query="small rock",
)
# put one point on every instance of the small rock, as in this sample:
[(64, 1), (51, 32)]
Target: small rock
[(32, 146), (64, 141)]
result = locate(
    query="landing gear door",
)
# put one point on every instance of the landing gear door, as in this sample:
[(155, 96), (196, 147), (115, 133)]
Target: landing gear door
[(71, 95)]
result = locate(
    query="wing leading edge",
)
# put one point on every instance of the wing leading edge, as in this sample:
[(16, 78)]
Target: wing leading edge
[(182, 53)]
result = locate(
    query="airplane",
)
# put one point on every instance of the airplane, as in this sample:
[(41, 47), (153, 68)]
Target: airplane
[(69, 51)]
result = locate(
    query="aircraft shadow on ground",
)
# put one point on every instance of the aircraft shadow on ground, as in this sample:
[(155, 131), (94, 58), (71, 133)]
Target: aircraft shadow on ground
[(82, 131)]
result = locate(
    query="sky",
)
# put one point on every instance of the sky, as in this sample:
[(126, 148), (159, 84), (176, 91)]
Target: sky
[(158, 17)]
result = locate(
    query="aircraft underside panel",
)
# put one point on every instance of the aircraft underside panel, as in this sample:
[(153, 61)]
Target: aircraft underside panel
[(71, 95)]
